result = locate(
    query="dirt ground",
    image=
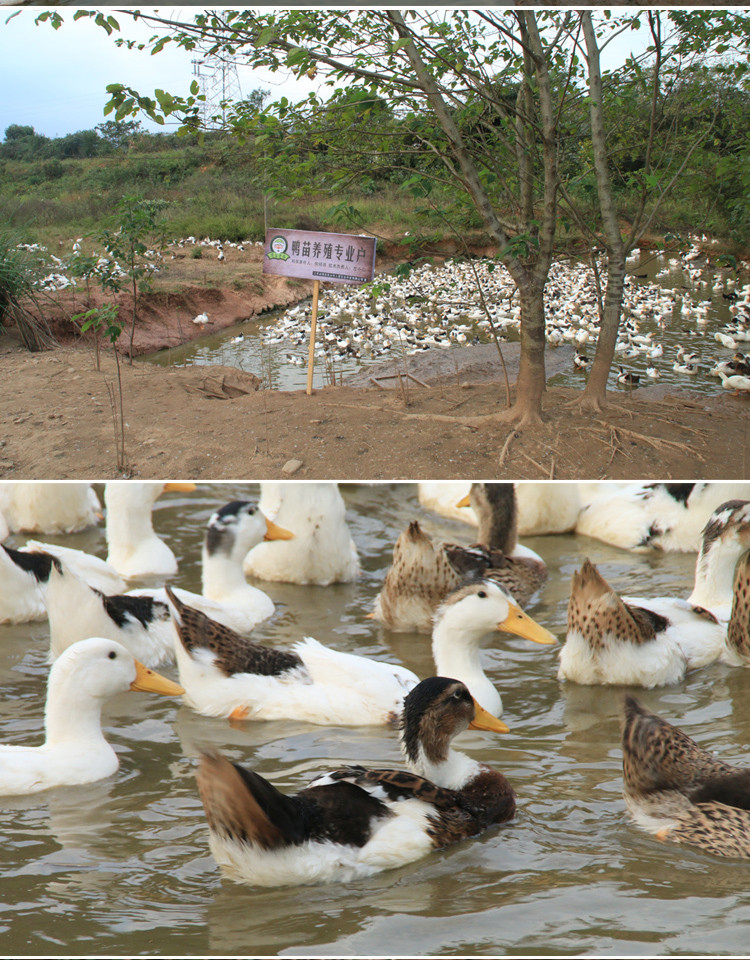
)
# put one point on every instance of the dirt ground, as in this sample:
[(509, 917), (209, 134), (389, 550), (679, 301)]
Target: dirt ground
[(56, 422)]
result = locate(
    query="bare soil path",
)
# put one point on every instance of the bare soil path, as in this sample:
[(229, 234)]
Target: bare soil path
[(56, 422)]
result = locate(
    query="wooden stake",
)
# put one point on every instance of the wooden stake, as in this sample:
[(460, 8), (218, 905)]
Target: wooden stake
[(313, 324)]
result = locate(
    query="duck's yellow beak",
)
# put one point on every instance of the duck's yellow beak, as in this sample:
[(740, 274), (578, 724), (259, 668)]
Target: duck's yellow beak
[(523, 626), (483, 720), (464, 501), (274, 532), (154, 682), (179, 487)]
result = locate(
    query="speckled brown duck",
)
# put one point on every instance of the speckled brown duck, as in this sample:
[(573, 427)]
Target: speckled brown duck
[(423, 572), (653, 641), (738, 631), (352, 822), (646, 642), (680, 792)]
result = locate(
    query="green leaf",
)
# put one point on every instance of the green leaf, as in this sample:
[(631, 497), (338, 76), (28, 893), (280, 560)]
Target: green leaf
[(296, 56)]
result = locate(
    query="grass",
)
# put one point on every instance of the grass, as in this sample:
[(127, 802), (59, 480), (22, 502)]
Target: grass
[(216, 193), (19, 271)]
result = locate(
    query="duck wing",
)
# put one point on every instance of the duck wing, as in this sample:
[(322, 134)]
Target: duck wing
[(125, 610), (36, 565), (242, 806), (520, 576), (595, 610), (232, 652), (454, 814), (658, 756)]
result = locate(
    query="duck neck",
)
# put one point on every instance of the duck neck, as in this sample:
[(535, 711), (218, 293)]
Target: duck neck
[(496, 512), (714, 575), (79, 723), (455, 650), (222, 573), (125, 529), (453, 773)]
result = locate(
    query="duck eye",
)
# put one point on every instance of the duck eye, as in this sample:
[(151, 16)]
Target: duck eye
[(112, 655), (482, 594), (458, 695)]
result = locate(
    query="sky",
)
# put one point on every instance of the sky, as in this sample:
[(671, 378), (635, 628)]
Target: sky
[(55, 80)]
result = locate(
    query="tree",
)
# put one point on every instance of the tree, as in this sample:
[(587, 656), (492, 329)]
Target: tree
[(659, 170), (425, 62), (134, 239), (17, 131), (117, 133)]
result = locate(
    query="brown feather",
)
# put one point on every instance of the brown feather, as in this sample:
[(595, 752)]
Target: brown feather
[(595, 610), (738, 632), (666, 775), (231, 809), (233, 653)]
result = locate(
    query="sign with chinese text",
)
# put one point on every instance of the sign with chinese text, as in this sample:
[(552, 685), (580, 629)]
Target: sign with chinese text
[(309, 255)]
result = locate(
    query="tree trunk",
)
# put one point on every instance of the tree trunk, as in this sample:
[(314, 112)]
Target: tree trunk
[(596, 389), (530, 387), (531, 384), (595, 393)]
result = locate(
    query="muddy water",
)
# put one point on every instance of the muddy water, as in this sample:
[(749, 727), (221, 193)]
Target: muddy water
[(122, 867), (271, 361)]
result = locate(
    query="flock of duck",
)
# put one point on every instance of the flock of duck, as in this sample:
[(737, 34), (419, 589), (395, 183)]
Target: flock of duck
[(354, 821), (440, 306)]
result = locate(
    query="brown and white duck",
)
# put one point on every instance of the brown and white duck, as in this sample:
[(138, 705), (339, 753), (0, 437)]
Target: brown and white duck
[(423, 572), (353, 822), (680, 792), (228, 675), (652, 641)]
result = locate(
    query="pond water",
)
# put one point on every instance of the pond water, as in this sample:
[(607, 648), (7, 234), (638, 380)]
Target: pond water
[(122, 867), (674, 302)]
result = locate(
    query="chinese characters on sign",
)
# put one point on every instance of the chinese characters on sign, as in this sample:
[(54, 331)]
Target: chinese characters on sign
[(335, 257)]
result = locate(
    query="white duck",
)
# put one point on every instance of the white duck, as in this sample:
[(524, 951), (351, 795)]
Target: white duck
[(664, 516), (75, 751), (134, 548), (654, 641), (226, 675), (463, 620), (61, 507), (24, 578), (322, 551), (443, 496), (737, 382), (547, 508), (353, 822), (140, 619)]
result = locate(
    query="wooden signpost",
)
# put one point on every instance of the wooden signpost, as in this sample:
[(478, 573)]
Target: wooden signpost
[(309, 255)]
